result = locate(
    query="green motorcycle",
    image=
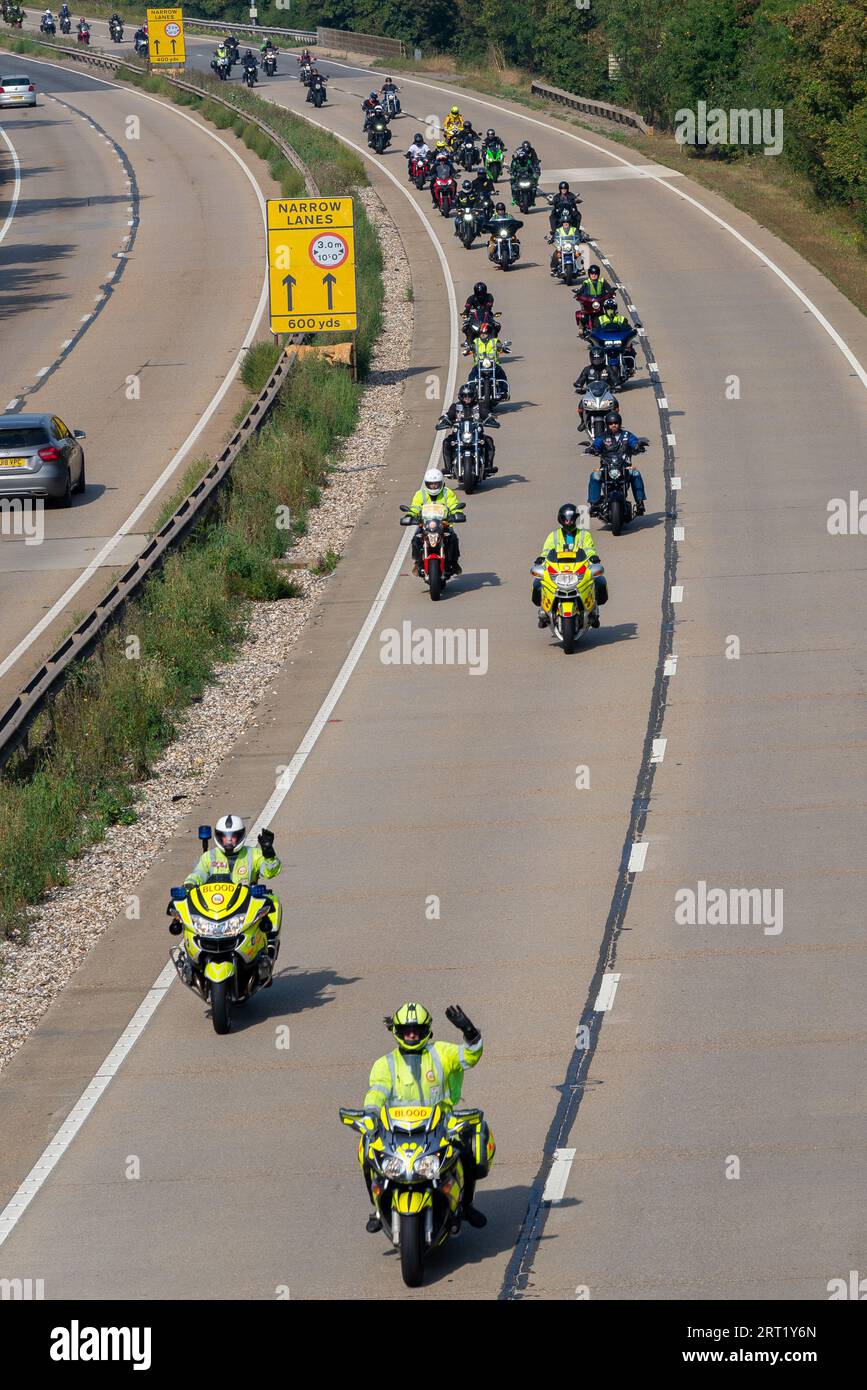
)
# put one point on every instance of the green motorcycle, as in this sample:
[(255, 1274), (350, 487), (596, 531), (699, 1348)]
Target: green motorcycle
[(494, 157)]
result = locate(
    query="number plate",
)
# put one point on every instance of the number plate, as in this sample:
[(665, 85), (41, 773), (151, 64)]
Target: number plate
[(13, 463)]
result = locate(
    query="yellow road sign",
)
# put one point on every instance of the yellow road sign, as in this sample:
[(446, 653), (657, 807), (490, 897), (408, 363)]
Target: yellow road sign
[(311, 265), (166, 37)]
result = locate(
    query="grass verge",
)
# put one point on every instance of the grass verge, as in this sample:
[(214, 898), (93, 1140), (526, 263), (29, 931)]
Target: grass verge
[(121, 707)]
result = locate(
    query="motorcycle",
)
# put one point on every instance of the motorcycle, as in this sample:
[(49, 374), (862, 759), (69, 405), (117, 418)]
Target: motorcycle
[(416, 1154), (494, 161), (504, 249), (269, 63), (250, 76), (490, 389), (316, 93), (586, 316), (419, 169), (116, 31), (524, 192), (567, 263), (141, 48), (226, 956), (444, 192), (615, 505), (597, 399), (434, 524), (304, 73), (616, 341), (84, 36), (467, 153), (390, 103), (221, 67), (233, 52), (379, 135), (568, 593), (469, 220), (469, 460), (65, 24), (47, 26)]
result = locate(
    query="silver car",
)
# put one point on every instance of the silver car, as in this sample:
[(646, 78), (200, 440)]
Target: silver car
[(40, 457), (17, 91)]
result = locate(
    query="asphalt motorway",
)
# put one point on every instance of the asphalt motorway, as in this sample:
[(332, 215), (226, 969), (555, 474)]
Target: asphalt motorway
[(119, 263), (441, 840)]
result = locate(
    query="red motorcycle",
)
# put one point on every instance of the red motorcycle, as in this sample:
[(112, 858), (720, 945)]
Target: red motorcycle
[(84, 36), (444, 192), (419, 168), (587, 315), (434, 525)]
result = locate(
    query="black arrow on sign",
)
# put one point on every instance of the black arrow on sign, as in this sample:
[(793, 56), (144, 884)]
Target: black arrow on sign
[(330, 280), (288, 281), (173, 45), (156, 44)]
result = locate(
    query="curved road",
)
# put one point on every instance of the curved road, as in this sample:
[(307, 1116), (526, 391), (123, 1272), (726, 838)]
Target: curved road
[(110, 333), (440, 839)]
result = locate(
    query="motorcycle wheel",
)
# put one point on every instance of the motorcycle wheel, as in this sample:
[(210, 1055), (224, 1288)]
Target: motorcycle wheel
[(412, 1250), (220, 1006), (435, 580), (419, 183), (615, 515), (567, 626)]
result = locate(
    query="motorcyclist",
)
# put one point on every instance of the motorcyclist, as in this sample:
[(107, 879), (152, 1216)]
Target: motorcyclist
[(567, 228), (501, 220), (115, 19), (230, 858), (231, 45), (379, 114), (479, 306), (484, 188), (528, 157), (453, 123), (368, 106), (389, 88), (305, 57), (443, 168), (221, 53), (419, 149), (267, 47), (316, 81), (563, 201), (610, 318), (493, 143), (64, 11), (83, 26), (433, 489), (465, 407), (487, 344), (594, 286), (521, 167), (464, 202), (596, 369), (430, 1073), (614, 438), (250, 62), (569, 535)]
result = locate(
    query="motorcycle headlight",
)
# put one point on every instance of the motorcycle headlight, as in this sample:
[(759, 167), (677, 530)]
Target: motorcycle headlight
[(428, 1166), (229, 926), (525, 183), (565, 581), (614, 472), (392, 1167)]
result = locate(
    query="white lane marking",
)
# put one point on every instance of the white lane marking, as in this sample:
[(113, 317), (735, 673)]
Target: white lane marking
[(662, 181), (637, 856), (14, 401), (657, 752), (670, 667), (654, 368), (632, 309), (174, 463), (662, 402), (61, 1141), (642, 332), (52, 1155), (676, 484), (607, 991), (677, 593), (558, 1175), (679, 533), (43, 371), (16, 187), (65, 344), (671, 439)]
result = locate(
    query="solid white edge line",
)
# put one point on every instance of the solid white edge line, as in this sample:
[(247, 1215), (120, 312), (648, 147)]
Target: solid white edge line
[(178, 458), (558, 1175), (55, 1150), (607, 990), (16, 187), (835, 337)]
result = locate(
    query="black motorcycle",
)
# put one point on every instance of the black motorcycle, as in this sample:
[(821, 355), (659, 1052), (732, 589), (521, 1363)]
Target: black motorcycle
[(116, 31), (469, 220), (250, 75), (48, 26), (597, 399), (615, 504), (379, 135), (468, 463), (316, 93), (616, 342), (468, 153)]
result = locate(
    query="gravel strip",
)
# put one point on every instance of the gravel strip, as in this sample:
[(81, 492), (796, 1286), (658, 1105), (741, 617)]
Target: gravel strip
[(65, 926)]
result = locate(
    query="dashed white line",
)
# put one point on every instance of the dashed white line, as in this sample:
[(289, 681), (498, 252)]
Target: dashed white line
[(677, 593), (662, 402), (65, 344), (558, 1175), (653, 367), (12, 404), (637, 856), (670, 667), (43, 371), (679, 533), (607, 991), (671, 439), (675, 484), (657, 752)]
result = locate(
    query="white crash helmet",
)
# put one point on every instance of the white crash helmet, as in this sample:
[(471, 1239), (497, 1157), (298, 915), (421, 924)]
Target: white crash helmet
[(434, 480), (230, 827)]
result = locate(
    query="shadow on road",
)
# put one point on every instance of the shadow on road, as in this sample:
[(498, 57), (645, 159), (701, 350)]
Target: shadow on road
[(293, 992)]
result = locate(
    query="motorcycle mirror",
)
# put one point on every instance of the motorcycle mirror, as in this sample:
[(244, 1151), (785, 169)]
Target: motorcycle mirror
[(178, 895), (458, 518), (175, 928), (404, 507), (406, 521), (204, 832)]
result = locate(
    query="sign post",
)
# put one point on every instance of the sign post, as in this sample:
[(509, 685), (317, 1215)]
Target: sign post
[(311, 265), (166, 47)]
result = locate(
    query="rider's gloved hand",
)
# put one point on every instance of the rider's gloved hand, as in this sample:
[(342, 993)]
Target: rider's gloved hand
[(266, 843), (456, 1016)]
